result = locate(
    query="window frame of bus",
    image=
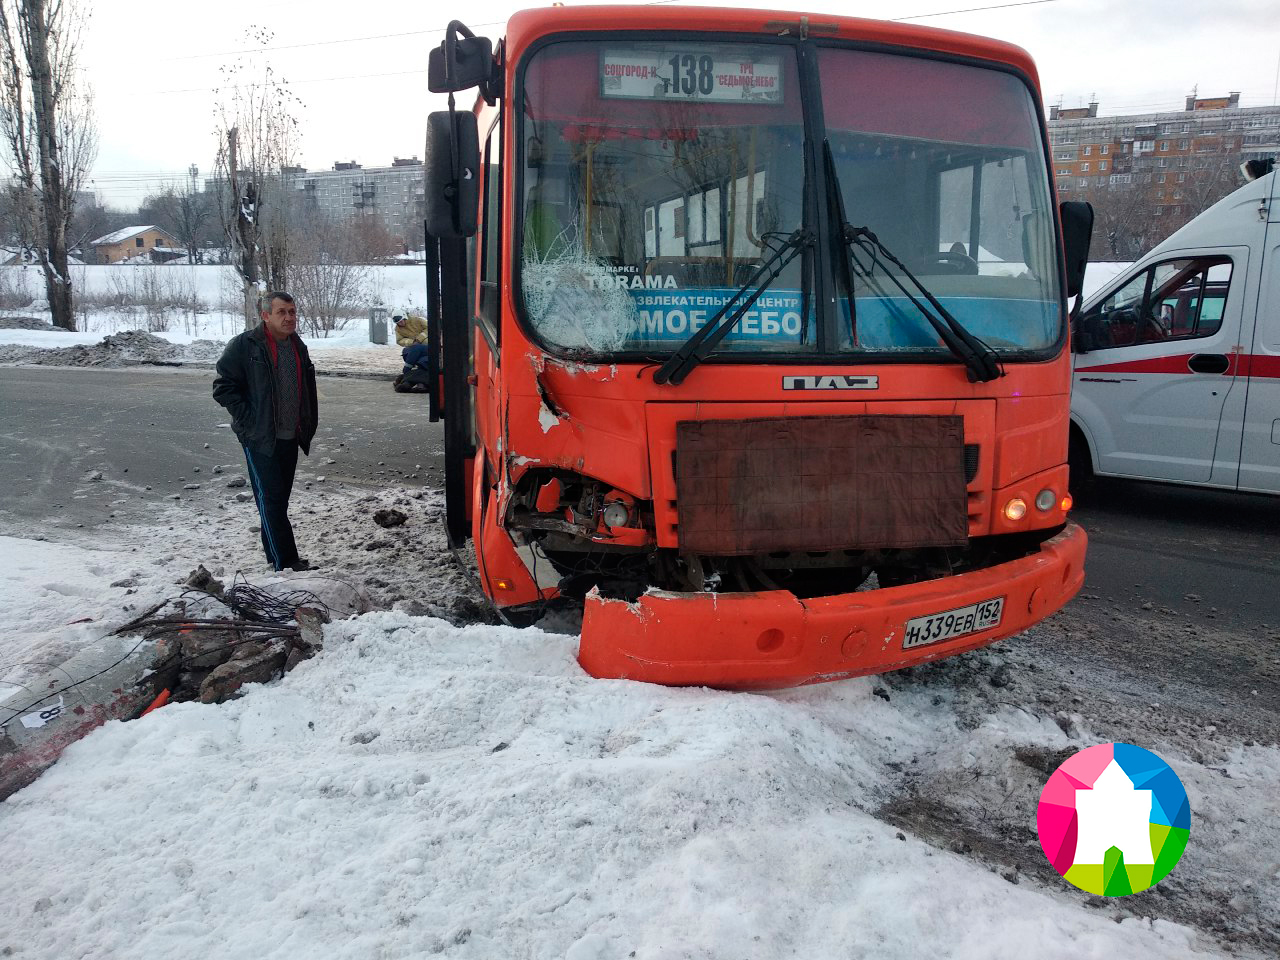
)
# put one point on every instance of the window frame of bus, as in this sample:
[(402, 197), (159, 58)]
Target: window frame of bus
[(813, 121), (488, 311)]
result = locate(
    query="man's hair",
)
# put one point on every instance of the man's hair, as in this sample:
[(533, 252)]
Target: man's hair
[(275, 295)]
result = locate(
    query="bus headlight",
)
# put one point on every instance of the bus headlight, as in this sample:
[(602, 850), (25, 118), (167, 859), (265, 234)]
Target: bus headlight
[(1015, 509), (615, 514), (1045, 500)]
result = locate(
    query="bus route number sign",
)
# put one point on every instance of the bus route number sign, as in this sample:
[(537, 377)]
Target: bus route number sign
[(687, 73)]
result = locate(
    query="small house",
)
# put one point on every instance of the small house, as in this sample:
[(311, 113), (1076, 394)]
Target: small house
[(130, 242)]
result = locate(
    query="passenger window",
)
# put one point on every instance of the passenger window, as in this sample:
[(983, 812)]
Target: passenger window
[(1174, 300)]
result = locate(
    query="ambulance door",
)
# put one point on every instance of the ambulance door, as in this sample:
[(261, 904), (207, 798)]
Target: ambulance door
[(1157, 362), (1260, 447)]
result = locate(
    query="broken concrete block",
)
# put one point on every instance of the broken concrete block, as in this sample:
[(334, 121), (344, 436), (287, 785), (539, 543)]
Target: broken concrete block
[(203, 649), (260, 664)]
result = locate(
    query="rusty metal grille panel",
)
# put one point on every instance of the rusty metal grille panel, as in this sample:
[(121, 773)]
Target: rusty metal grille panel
[(820, 483)]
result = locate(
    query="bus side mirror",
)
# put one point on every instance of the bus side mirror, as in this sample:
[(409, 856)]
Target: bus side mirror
[(452, 171), (1077, 229), (460, 63)]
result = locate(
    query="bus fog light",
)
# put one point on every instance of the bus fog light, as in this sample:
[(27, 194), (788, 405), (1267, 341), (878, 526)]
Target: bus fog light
[(1015, 509), (1045, 500), (616, 514)]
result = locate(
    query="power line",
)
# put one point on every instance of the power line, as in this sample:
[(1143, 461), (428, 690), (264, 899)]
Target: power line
[(379, 36), (948, 13), (293, 83)]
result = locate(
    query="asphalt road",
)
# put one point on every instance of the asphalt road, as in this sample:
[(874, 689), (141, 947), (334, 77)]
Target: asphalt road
[(151, 431), (1203, 552), (1208, 556)]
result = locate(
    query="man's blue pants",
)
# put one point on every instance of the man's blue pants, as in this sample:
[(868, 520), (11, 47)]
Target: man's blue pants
[(271, 476)]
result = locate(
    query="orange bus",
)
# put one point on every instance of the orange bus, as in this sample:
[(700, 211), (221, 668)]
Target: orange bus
[(753, 330)]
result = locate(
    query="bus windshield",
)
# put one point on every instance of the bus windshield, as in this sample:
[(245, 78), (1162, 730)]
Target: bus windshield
[(657, 177)]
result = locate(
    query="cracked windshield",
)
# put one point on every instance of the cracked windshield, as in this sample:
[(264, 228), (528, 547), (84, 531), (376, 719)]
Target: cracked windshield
[(658, 178), (945, 166)]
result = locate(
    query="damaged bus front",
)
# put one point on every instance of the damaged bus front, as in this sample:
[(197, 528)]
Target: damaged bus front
[(757, 350)]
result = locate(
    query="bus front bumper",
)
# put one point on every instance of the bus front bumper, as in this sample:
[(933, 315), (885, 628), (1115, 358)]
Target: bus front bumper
[(775, 639)]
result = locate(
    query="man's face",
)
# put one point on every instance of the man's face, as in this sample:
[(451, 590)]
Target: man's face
[(282, 319)]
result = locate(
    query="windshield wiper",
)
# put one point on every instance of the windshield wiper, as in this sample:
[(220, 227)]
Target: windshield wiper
[(696, 349), (981, 362)]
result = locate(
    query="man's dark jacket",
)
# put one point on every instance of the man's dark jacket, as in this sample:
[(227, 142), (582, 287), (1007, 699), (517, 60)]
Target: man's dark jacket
[(246, 386)]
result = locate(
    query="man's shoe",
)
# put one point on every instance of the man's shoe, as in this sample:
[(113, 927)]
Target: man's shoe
[(299, 565)]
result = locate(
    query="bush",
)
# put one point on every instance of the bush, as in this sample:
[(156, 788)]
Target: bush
[(15, 288), (145, 297)]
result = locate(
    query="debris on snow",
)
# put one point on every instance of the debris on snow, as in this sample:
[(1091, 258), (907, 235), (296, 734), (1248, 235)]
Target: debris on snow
[(390, 517)]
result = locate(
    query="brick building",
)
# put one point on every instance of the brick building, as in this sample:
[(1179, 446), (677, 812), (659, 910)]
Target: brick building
[(1147, 174)]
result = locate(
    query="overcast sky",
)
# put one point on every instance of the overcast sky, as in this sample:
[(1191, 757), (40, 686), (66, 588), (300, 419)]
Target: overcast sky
[(360, 68)]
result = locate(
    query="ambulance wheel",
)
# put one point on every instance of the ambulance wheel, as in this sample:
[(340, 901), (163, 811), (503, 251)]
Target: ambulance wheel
[(1080, 463)]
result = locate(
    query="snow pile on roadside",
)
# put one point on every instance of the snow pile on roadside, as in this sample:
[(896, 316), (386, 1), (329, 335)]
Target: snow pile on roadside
[(347, 351), (421, 788), (29, 323), (127, 348)]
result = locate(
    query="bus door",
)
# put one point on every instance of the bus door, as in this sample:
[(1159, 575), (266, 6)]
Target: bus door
[(1158, 379)]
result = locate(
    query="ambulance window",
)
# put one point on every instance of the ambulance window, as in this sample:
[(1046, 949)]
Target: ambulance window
[(1175, 300), (1115, 321), (1188, 298)]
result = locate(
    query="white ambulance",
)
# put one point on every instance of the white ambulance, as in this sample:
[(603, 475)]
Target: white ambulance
[(1177, 359)]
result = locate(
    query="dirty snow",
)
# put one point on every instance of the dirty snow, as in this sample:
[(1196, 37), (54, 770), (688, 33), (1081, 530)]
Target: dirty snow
[(422, 788), (427, 786)]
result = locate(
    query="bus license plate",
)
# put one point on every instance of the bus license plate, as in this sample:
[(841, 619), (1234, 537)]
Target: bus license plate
[(953, 623)]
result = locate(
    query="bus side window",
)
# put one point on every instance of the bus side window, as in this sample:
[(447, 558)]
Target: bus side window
[(491, 234)]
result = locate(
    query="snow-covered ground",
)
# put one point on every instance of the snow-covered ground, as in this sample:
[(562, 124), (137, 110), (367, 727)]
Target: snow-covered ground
[(185, 305), (422, 788), (433, 784)]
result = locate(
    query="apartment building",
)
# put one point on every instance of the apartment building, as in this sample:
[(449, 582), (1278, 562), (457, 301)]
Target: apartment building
[(1173, 164), (395, 194)]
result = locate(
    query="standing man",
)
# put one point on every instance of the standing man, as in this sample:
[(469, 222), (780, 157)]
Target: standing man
[(268, 385)]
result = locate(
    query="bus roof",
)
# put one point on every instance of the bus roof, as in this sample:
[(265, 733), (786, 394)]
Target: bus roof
[(527, 26)]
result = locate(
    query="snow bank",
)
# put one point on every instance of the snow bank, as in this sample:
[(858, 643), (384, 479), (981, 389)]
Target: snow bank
[(421, 788)]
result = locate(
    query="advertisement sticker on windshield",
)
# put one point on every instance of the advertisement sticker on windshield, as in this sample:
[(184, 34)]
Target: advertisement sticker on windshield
[(689, 73), (673, 315)]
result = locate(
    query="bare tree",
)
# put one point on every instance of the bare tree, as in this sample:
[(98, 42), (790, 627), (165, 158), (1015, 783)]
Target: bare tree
[(184, 212), (330, 274), (49, 134), (257, 134)]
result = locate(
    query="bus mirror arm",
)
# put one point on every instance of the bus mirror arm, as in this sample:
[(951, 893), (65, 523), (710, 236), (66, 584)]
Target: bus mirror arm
[(460, 63)]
